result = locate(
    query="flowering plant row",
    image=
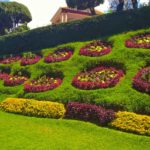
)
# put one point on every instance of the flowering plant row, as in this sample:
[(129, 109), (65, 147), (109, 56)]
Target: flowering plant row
[(14, 80), (3, 75), (131, 122), (42, 84), (89, 112), (96, 48), (139, 41), (32, 107), (59, 55), (29, 59), (99, 77), (141, 81)]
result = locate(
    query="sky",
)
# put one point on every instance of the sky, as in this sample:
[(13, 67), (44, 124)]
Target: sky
[(43, 10)]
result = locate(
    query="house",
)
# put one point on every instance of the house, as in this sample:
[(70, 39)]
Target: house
[(65, 14)]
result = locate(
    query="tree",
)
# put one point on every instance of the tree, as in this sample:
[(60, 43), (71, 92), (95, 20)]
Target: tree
[(84, 4), (120, 5), (12, 14)]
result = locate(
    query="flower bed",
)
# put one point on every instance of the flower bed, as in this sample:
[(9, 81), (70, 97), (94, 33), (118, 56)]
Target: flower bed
[(141, 81), (14, 80), (96, 48), (131, 122), (32, 107), (10, 60), (42, 84), (139, 41), (3, 75), (89, 112), (99, 77), (59, 55), (29, 59)]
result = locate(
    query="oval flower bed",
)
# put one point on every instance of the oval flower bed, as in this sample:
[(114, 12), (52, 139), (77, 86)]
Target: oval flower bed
[(14, 80), (42, 84), (139, 41), (29, 59), (141, 80), (96, 48), (59, 55), (10, 60), (99, 77)]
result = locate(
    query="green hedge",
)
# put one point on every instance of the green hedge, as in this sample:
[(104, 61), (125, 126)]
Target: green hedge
[(86, 29)]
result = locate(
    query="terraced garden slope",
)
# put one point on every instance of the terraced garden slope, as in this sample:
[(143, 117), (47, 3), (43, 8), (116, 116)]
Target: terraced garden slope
[(61, 68)]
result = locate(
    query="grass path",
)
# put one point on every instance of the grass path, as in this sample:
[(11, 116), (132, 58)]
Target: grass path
[(29, 133)]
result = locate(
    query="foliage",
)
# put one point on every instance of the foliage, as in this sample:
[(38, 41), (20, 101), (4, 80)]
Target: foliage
[(86, 4), (89, 112), (11, 14), (33, 107), (82, 30), (131, 122)]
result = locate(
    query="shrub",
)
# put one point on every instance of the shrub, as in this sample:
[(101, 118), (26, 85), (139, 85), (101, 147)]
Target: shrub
[(32, 107), (86, 29), (132, 122), (89, 112)]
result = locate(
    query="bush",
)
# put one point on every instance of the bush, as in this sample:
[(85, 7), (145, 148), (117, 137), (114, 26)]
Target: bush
[(32, 107), (86, 29), (89, 112), (132, 122)]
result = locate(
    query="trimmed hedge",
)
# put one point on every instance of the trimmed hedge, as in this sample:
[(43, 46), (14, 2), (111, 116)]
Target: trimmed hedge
[(131, 122), (32, 107), (88, 112), (86, 29)]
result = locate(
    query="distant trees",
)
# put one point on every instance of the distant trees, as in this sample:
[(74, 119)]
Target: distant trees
[(120, 5), (12, 14), (84, 4)]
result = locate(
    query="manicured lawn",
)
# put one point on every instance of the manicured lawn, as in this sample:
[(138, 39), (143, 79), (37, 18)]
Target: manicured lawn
[(26, 133)]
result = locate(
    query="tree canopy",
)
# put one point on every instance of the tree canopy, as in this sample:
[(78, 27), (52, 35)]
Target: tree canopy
[(84, 4), (11, 14)]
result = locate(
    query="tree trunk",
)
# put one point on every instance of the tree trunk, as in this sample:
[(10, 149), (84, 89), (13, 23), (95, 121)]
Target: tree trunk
[(134, 4), (120, 5), (93, 11)]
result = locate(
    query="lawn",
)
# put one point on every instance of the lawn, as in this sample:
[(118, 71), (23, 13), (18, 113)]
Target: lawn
[(26, 133)]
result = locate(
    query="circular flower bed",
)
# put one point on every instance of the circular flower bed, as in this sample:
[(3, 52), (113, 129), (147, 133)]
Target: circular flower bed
[(139, 41), (29, 59), (96, 48), (99, 77), (14, 80), (141, 80), (42, 84), (59, 55), (10, 60)]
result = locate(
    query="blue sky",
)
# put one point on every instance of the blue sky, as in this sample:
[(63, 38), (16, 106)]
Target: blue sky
[(43, 10)]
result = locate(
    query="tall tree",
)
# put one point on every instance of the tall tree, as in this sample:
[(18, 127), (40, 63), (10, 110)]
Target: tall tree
[(12, 14), (84, 4)]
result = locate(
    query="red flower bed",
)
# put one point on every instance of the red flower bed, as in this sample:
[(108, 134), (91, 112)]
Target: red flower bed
[(141, 81), (3, 75), (29, 59), (42, 84), (14, 80), (10, 60), (89, 112), (96, 48), (59, 55), (99, 77), (139, 41)]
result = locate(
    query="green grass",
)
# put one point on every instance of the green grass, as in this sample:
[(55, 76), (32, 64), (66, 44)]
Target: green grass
[(122, 96), (27, 133)]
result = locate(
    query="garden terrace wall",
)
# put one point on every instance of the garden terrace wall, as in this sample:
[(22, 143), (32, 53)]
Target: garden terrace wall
[(86, 29)]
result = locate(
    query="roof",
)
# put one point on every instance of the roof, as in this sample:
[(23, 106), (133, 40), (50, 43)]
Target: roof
[(68, 10)]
